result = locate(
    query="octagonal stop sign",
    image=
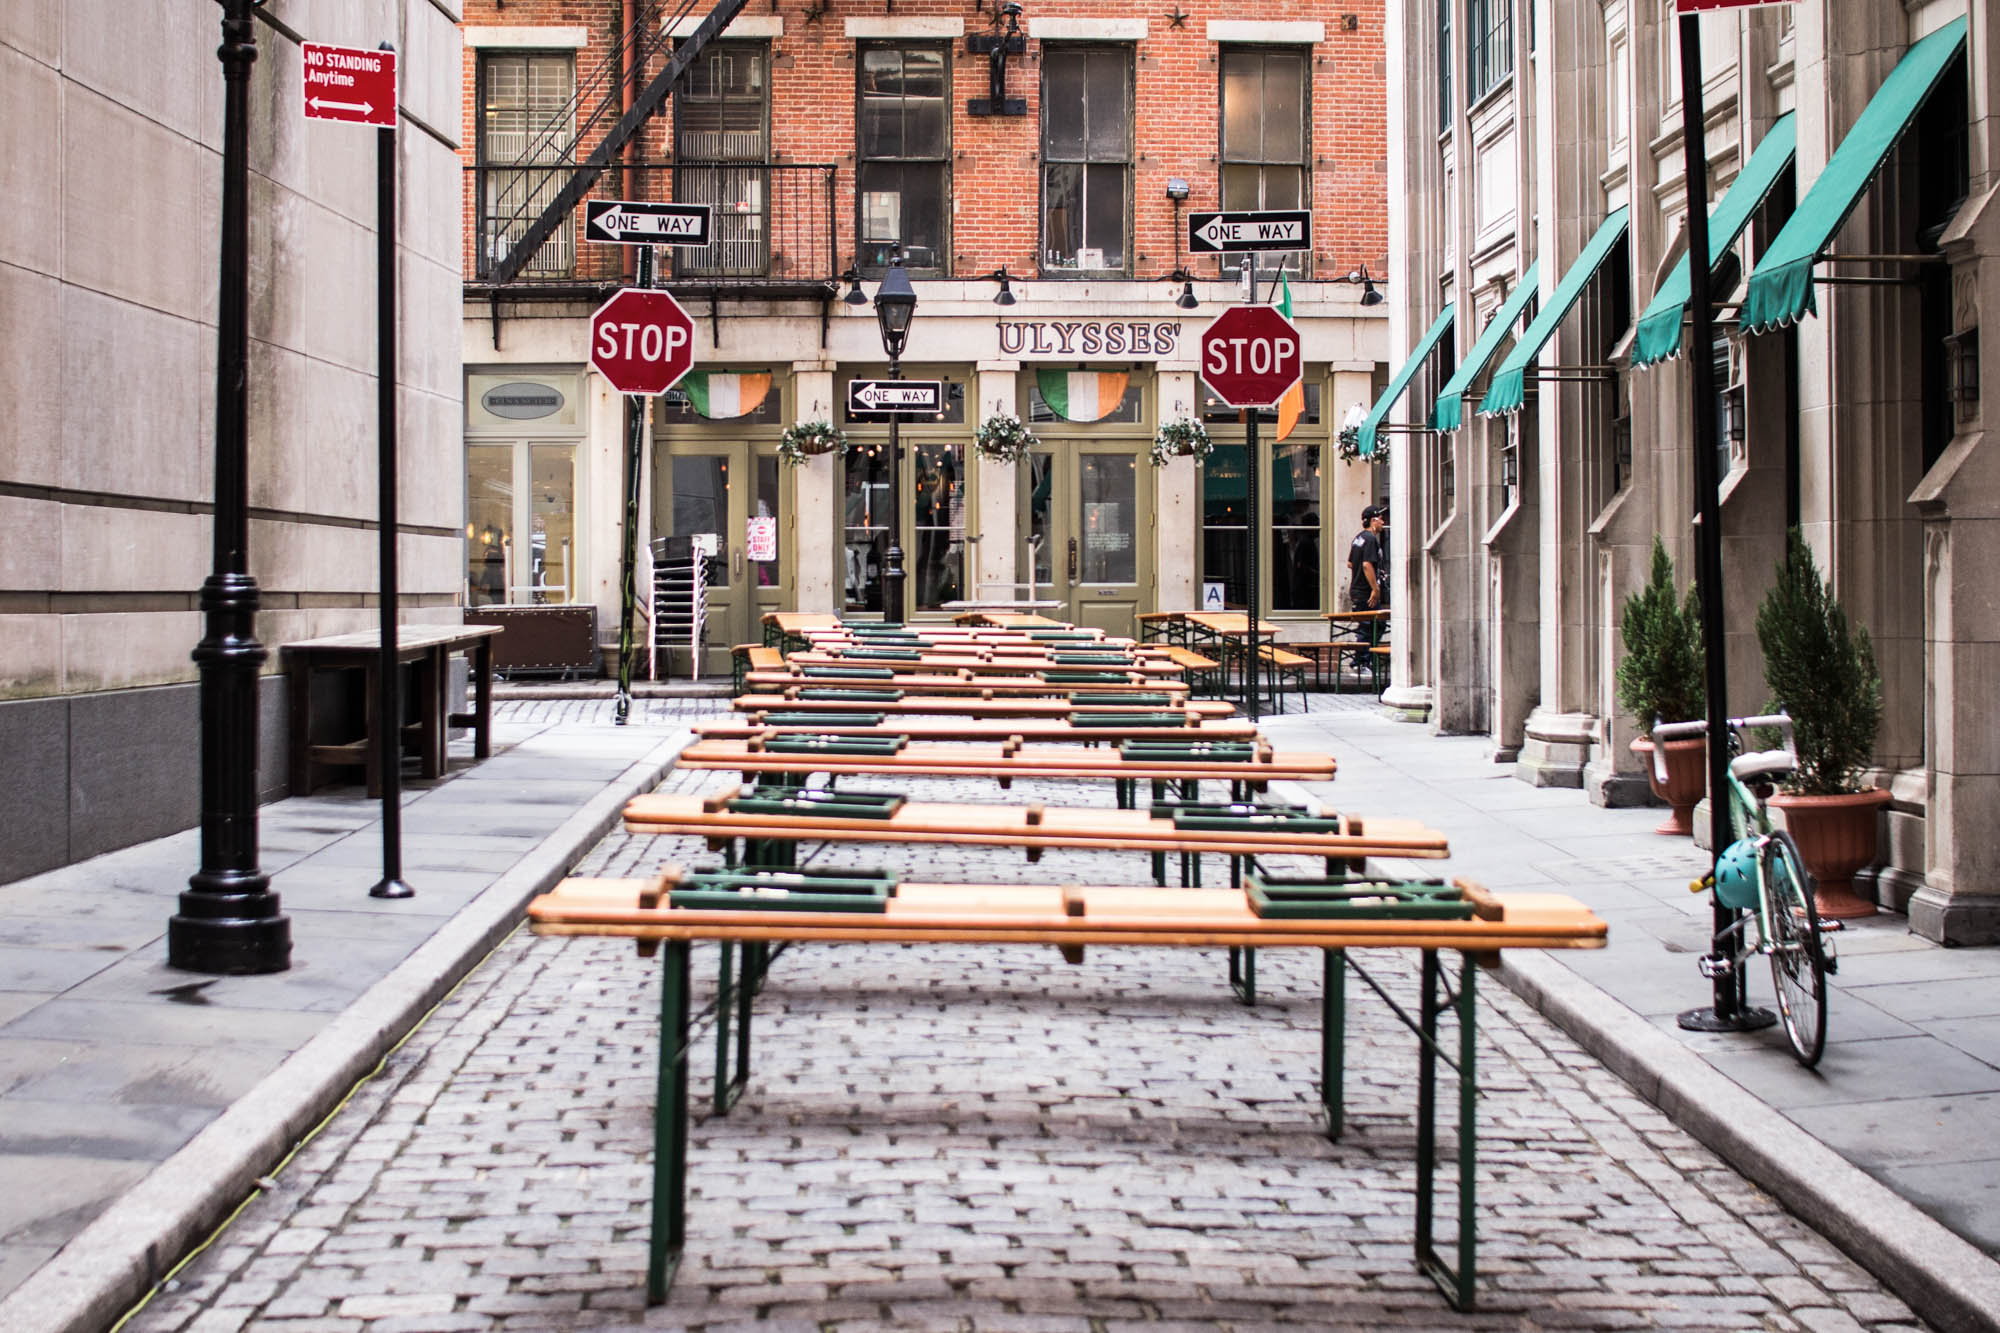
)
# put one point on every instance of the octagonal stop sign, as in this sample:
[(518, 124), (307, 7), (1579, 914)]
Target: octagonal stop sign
[(641, 341), (1250, 356)]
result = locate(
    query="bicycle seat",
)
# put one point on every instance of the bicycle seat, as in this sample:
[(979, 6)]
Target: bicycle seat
[(1763, 766)]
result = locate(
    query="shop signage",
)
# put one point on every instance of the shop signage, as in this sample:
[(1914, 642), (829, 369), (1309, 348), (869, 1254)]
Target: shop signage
[(1088, 337), (350, 83), (641, 341), (1211, 598), (522, 400), (1236, 233), (620, 222), (1250, 355), (895, 396), (760, 534)]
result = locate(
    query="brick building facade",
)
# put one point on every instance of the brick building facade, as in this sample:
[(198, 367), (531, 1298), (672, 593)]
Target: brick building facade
[(829, 140)]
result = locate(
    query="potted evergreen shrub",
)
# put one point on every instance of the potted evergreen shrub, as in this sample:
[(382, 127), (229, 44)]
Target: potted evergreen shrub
[(1660, 680), (1822, 673)]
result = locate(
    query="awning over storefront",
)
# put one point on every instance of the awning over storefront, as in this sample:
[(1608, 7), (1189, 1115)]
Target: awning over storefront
[(1510, 383), (1365, 437), (1781, 289), (1660, 335), (1449, 412)]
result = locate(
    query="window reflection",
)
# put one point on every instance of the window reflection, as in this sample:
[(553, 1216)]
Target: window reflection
[(1225, 523), (1295, 528), (489, 523), (938, 522)]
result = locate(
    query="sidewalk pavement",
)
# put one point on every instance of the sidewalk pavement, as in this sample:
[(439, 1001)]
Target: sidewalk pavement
[(138, 1106)]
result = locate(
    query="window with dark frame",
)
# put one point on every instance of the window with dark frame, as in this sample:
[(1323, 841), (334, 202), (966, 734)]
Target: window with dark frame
[(1086, 158), (903, 157), (526, 120), (1265, 141), (721, 118), (1444, 64), (1489, 46)]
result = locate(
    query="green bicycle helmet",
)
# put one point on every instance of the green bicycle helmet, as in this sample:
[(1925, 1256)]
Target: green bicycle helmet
[(1736, 875)]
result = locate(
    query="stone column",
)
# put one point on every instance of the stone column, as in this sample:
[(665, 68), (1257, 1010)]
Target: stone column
[(995, 537), (1177, 503), (816, 490)]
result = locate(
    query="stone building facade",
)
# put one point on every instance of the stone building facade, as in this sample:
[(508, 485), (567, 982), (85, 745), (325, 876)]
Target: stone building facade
[(110, 156), (1044, 247), (1538, 196)]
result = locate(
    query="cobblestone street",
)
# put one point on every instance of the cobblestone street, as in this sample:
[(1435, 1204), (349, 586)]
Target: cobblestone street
[(986, 1139)]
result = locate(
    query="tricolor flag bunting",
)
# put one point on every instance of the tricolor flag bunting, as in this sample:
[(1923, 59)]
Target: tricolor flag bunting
[(1082, 395), (1293, 405), (721, 396)]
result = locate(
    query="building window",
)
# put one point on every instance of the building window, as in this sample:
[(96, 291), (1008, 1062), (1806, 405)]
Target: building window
[(1264, 138), (1489, 45), (1444, 64), (513, 489), (1086, 158), (526, 122), (903, 147), (1510, 458), (1295, 527), (1225, 522), (721, 119), (1289, 526)]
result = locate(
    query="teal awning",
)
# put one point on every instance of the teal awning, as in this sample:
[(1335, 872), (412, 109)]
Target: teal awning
[(1510, 382), (1781, 290), (1450, 408), (1425, 345), (1660, 335)]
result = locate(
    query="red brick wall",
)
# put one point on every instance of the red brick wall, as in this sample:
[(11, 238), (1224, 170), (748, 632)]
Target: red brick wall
[(995, 159)]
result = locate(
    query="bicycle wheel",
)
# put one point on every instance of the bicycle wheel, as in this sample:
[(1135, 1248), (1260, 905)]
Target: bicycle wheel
[(1798, 963)]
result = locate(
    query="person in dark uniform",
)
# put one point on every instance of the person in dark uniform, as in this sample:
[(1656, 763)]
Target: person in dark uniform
[(1367, 567)]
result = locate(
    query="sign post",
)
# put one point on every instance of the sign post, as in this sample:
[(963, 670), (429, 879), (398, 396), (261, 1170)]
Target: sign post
[(1250, 357), (1730, 1010), (642, 341)]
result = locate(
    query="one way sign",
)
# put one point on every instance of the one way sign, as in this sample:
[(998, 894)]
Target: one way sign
[(1233, 233), (626, 223)]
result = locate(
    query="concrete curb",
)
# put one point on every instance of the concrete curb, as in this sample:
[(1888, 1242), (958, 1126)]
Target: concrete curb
[(1945, 1279), (113, 1262)]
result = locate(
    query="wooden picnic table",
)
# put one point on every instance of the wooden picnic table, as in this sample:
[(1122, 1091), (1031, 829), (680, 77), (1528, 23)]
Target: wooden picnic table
[(956, 705), (1072, 917), (1002, 664), (1003, 620), (1007, 760), (990, 729), (429, 648), (963, 683)]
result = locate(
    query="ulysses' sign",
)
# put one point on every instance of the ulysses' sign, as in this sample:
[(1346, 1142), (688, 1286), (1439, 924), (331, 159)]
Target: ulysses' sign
[(1088, 337)]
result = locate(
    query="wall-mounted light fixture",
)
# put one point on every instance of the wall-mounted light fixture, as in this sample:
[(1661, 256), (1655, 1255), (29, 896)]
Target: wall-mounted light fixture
[(853, 280), (1369, 296), (1186, 300), (1006, 296), (1177, 190)]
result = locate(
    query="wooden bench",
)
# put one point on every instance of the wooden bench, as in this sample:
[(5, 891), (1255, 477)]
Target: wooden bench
[(964, 683), (1073, 917), (860, 701), (1203, 673), (1281, 664), (989, 729), (427, 648), (745, 658)]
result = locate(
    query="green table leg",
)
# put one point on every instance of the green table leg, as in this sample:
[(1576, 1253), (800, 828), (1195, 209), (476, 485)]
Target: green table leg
[(670, 1127), (1243, 974), (732, 990), (1456, 1284), (1333, 1040)]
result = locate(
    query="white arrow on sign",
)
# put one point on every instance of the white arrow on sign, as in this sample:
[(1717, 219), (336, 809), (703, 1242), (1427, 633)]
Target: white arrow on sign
[(321, 104)]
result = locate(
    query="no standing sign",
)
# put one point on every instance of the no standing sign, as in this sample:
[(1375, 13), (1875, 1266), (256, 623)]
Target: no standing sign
[(350, 83)]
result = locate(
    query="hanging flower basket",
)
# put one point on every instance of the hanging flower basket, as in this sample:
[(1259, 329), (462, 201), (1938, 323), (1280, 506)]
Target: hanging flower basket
[(1347, 444), (1186, 438), (1005, 437), (810, 439)]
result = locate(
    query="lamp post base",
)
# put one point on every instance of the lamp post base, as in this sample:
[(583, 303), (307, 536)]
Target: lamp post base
[(230, 933), (893, 576), (1708, 1020)]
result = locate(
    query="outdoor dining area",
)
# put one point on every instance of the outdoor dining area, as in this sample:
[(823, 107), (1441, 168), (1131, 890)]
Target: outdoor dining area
[(835, 722)]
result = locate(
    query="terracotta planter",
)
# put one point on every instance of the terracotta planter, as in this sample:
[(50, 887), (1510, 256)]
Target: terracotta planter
[(1836, 837), (1687, 780)]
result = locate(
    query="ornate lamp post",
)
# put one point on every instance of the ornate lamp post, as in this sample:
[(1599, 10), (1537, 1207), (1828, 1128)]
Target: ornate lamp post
[(895, 303), (229, 920)]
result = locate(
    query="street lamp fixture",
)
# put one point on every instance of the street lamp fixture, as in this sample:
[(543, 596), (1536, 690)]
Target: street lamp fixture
[(1006, 296), (895, 305), (1369, 296), (853, 280)]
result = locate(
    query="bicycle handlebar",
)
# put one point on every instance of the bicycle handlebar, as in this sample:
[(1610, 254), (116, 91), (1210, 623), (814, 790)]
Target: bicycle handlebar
[(1760, 761)]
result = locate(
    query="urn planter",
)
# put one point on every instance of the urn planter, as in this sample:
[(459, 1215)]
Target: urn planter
[(1686, 784), (1836, 837)]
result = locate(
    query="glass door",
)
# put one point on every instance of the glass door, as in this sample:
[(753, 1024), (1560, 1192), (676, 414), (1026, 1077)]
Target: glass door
[(729, 499), (1088, 533)]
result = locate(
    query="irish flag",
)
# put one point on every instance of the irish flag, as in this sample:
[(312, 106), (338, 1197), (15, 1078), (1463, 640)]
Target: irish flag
[(721, 396), (1082, 395), (1293, 405)]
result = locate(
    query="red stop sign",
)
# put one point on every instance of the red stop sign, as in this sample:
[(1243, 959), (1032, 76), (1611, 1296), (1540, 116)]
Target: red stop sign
[(1250, 356), (642, 341)]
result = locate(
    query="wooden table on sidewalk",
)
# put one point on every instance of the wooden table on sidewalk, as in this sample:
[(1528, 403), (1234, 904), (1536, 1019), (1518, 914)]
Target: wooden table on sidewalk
[(1072, 917), (430, 649)]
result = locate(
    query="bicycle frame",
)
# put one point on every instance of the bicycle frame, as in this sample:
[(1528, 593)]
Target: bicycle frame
[(1749, 818)]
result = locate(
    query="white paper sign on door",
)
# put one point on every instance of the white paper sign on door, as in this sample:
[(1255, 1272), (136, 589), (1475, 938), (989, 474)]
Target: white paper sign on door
[(1211, 597), (761, 536)]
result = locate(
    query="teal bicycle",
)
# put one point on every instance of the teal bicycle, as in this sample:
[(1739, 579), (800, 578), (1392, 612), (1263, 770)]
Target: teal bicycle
[(1761, 876)]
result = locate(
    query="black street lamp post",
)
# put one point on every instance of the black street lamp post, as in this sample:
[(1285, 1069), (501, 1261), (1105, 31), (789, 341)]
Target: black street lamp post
[(229, 920), (895, 303)]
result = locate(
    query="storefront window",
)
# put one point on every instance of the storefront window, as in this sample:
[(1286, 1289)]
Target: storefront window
[(938, 523), (552, 520), (1295, 528), (865, 521), (1225, 523), (1108, 487), (489, 523), (700, 509), (512, 489)]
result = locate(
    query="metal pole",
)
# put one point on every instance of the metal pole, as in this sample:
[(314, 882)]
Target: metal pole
[(389, 696), (229, 920), (1251, 463), (1727, 1013), (892, 573), (628, 567)]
